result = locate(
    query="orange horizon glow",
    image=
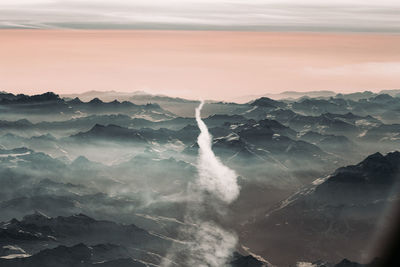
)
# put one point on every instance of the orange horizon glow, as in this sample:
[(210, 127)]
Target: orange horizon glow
[(196, 64)]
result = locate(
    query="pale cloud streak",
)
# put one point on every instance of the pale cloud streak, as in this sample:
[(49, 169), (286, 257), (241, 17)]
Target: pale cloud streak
[(290, 15), (378, 69)]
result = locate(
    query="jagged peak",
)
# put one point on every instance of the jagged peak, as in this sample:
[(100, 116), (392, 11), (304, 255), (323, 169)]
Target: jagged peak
[(36, 216), (265, 102), (115, 101), (95, 100), (80, 160), (76, 100)]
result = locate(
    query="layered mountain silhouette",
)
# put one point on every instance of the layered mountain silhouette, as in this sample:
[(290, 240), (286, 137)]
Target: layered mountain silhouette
[(106, 178), (78, 240), (339, 213)]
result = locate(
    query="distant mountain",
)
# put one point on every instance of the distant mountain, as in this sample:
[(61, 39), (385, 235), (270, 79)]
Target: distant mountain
[(181, 129), (384, 137), (85, 123), (337, 144), (179, 106), (7, 98), (268, 102), (287, 95), (357, 96), (393, 92), (103, 95), (315, 107), (39, 107), (275, 138), (139, 97), (34, 105), (383, 106), (19, 124), (114, 132), (349, 124), (294, 95), (142, 137), (183, 107), (311, 94)]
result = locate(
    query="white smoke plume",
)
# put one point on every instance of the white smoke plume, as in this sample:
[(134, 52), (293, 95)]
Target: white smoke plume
[(212, 246), (206, 243), (214, 176)]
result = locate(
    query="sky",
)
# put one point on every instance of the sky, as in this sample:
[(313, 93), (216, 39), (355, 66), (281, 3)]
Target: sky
[(277, 15), (206, 49)]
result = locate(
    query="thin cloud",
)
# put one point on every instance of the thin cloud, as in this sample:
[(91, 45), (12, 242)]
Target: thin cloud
[(310, 15), (387, 69)]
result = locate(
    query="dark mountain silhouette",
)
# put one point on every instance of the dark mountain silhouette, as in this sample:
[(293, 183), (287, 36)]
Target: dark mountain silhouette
[(268, 103), (345, 206), (126, 159)]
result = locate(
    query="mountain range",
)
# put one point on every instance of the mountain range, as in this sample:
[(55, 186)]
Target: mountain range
[(104, 178)]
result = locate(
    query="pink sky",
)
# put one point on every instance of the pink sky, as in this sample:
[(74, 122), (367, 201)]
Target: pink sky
[(196, 64)]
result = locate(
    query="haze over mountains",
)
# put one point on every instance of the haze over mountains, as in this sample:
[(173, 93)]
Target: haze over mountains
[(138, 96), (102, 178)]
